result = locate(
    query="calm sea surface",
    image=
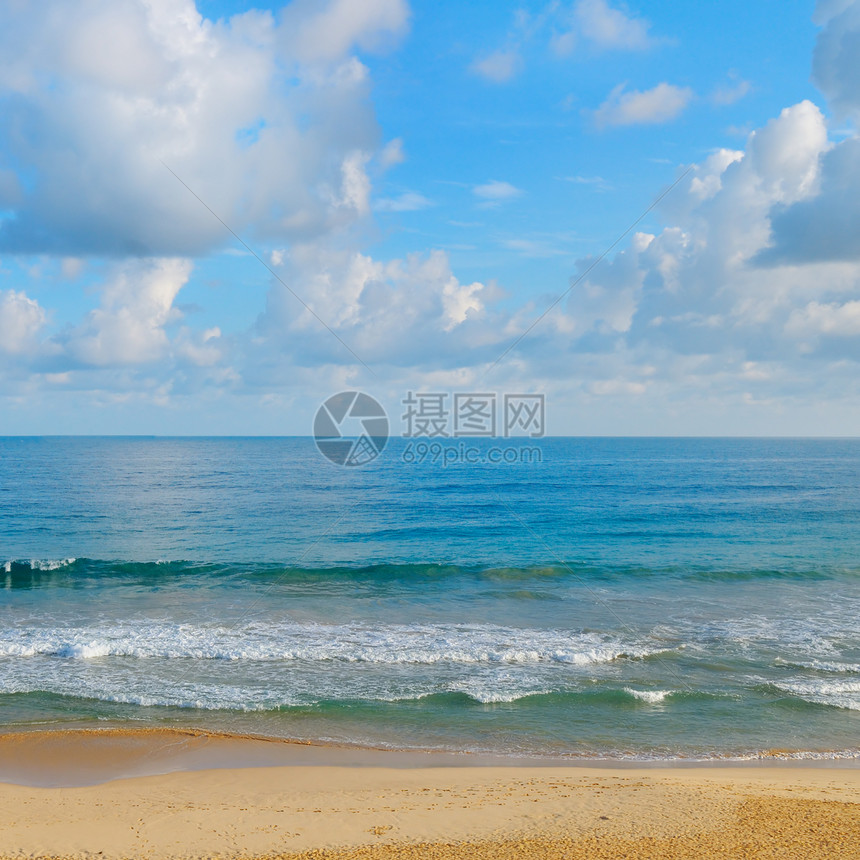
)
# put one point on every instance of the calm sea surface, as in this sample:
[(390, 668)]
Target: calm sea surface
[(623, 597)]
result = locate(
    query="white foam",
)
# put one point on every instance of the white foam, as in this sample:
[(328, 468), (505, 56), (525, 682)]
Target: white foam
[(348, 643), (809, 636), (798, 755), (39, 564), (84, 650), (652, 697), (839, 694), (823, 666), (498, 698), (50, 564), (501, 689)]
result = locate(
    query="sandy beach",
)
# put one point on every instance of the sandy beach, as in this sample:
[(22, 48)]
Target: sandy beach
[(294, 801)]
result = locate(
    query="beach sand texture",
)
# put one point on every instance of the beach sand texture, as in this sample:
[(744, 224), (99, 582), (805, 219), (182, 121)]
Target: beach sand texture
[(377, 811)]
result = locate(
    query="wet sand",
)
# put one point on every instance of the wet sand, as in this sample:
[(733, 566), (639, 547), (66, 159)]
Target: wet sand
[(292, 800)]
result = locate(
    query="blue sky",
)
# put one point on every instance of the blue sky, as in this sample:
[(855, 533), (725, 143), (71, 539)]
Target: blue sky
[(428, 178)]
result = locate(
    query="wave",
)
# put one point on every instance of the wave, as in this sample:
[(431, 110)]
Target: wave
[(349, 643), (837, 694), (651, 697), (791, 755), (38, 565), (34, 572), (454, 696), (830, 666), (485, 694)]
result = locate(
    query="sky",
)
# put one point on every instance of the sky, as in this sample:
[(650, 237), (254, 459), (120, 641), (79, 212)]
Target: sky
[(214, 215)]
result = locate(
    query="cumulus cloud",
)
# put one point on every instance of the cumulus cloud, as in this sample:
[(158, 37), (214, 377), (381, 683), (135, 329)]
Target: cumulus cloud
[(129, 326), (405, 312), (823, 227), (825, 319), (134, 345), (268, 121), (835, 69), (699, 288), (21, 320), (689, 311), (203, 349), (660, 104), (315, 31), (748, 295)]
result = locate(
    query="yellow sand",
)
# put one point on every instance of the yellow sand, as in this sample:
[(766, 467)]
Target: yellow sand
[(443, 812)]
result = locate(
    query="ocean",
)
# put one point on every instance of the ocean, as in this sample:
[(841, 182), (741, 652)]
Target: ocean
[(612, 598)]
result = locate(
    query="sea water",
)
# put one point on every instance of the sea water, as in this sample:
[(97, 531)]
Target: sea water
[(646, 598)]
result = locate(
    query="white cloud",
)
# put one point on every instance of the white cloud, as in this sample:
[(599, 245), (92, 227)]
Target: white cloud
[(355, 186), (498, 67), (835, 69), (745, 301), (137, 304), (270, 123), (685, 313), (203, 349), (696, 288), (842, 320), (611, 28), (392, 153), (823, 227), (708, 178), (404, 312), (496, 191), (459, 300), (21, 320), (326, 30), (660, 104), (788, 150), (595, 23)]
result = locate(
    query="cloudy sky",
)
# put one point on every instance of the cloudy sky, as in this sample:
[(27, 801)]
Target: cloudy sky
[(214, 215)]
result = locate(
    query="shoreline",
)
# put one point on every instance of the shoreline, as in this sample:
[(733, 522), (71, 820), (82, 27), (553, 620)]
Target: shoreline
[(92, 755), (418, 806)]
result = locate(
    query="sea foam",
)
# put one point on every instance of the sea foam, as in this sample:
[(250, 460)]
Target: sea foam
[(349, 643), (651, 697)]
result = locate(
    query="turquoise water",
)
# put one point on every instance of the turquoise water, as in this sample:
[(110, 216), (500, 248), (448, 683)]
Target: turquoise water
[(622, 597)]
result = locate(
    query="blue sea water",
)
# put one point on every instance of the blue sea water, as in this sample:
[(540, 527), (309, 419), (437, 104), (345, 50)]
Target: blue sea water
[(621, 597)]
